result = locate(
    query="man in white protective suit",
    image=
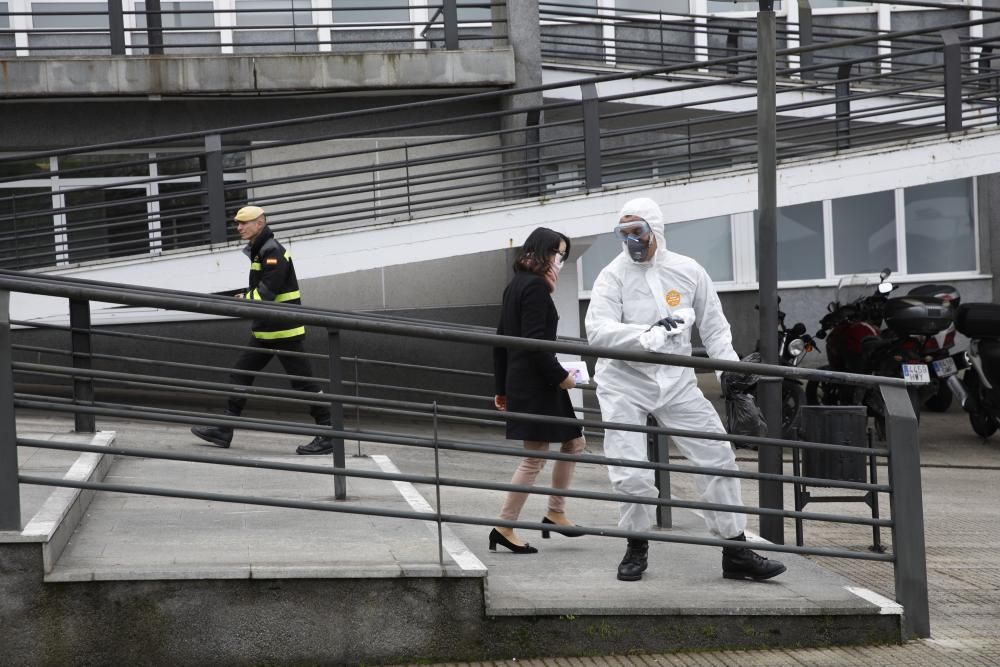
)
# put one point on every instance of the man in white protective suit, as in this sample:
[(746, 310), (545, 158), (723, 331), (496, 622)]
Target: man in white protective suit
[(648, 298)]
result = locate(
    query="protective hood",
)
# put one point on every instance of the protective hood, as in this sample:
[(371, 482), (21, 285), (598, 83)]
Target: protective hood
[(648, 210)]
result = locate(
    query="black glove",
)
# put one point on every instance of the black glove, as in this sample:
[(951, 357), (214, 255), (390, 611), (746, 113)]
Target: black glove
[(669, 322)]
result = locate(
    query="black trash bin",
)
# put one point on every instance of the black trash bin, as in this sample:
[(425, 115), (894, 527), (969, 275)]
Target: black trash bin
[(836, 425)]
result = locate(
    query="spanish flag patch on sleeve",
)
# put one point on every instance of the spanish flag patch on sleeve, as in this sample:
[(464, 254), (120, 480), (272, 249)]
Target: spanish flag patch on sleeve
[(271, 261)]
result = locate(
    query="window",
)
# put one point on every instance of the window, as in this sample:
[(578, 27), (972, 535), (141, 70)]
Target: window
[(179, 15), (273, 13), (26, 237), (737, 6), (709, 241), (800, 241), (83, 15), (940, 227), (376, 11), (864, 233)]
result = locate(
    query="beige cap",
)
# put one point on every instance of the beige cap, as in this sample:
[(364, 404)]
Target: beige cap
[(249, 213)]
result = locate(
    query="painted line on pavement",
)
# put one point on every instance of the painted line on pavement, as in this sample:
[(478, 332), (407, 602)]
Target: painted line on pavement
[(885, 605), (452, 544)]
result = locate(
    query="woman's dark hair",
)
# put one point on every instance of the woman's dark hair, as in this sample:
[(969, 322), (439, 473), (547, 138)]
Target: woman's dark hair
[(536, 253)]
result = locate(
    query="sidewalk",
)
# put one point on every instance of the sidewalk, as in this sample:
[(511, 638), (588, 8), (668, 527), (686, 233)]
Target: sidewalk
[(961, 510)]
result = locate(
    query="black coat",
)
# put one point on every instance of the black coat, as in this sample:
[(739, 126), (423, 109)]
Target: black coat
[(530, 380)]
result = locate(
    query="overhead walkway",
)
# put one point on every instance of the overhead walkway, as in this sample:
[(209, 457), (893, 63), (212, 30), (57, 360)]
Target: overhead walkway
[(367, 188)]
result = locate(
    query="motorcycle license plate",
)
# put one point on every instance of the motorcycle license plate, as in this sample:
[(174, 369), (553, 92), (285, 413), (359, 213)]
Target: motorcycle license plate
[(916, 373), (944, 367)]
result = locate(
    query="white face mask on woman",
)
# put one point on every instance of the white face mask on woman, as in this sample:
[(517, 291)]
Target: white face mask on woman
[(557, 263)]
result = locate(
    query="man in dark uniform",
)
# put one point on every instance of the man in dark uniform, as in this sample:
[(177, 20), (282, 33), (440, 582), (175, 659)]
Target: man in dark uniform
[(272, 278)]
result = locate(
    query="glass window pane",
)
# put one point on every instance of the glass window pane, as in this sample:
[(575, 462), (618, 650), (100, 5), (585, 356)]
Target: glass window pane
[(864, 233), (106, 223), (179, 15), (598, 255), (376, 11), (801, 254), (272, 13), (940, 233), (106, 164), (27, 169), (4, 18), (70, 14), (27, 238), (823, 4), (653, 6), (724, 6), (709, 241)]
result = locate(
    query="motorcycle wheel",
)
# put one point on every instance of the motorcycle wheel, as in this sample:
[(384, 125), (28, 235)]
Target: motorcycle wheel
[(792, 396), (821, 393), (941, 400), (983, 424)]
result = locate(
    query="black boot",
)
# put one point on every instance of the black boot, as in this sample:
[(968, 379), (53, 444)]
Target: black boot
[(634, 562), (742, 563), (220, 436), (319, 445)]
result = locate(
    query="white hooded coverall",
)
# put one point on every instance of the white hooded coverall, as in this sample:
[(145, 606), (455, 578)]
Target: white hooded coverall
[(627, 298)]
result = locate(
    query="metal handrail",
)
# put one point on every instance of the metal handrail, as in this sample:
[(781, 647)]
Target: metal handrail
[(408, 186), (899, 453)]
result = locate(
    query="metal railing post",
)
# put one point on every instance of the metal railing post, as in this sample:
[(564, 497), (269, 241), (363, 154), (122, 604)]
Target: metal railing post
[(449, 14), (952, 81), (213, 182), (591, 136), (842, 91), (769, 457), (805, 32), (336, 375), (154, 27), (906, 502), (116, 27), (10, 496), (83, 388), (658, 452)]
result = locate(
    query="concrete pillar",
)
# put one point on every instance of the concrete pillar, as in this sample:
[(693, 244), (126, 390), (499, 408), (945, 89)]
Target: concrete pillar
[(519, 22)]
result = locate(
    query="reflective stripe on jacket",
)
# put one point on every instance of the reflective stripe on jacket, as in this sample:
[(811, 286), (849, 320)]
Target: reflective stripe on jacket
[(272, 278)]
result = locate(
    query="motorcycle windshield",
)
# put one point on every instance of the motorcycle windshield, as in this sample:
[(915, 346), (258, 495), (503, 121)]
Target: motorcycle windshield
[(856, 286)]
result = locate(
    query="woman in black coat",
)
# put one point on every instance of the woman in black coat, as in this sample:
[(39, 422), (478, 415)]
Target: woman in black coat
[(535, 382)]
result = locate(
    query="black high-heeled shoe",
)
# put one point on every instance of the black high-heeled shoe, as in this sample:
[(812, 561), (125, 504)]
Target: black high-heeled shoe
[(496, 537), (562, 530)]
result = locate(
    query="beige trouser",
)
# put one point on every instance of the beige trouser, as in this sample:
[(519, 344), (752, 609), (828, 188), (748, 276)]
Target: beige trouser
[(527, 471)]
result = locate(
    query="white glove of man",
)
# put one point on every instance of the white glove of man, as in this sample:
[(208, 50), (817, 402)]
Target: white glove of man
[(654, 340)]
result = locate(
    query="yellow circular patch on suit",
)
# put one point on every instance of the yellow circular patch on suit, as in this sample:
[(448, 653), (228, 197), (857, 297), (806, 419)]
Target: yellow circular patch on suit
[(673, 298)]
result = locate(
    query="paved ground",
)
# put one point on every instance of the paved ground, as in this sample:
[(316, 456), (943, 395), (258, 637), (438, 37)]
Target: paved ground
[(962, 504)]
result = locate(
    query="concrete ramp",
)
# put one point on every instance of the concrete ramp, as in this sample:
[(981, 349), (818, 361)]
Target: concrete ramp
[(156, 580)]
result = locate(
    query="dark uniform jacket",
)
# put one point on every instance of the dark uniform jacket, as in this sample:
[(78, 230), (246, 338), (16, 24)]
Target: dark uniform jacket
[(530, 380), (272, 278)]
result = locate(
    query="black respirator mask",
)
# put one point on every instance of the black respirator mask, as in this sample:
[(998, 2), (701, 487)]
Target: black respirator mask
[(637, 237)]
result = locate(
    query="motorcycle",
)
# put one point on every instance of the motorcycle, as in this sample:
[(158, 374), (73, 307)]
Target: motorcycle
[(980, 384), (743, 417), (908, 346)]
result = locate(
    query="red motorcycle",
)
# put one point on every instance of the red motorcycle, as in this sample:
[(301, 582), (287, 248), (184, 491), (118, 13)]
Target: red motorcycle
[(914, 345)]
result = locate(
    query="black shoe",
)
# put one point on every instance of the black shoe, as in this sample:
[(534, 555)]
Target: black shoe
[(496, 537), (220, 436), (634, 562), (318, 445), (568, 531), (742, 563)]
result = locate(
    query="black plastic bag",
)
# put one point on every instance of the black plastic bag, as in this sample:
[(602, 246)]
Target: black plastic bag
[(740, 383), (743, 417)]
